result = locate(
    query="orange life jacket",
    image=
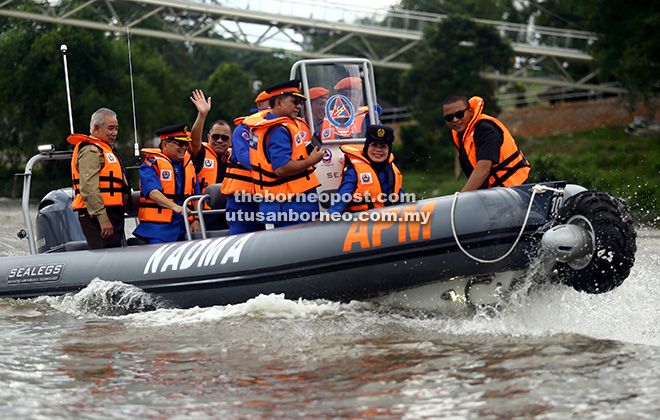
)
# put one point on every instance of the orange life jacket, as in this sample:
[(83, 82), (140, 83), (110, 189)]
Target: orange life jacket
[(252, 118), (304, 129), (208, 174), (512, 168), (149, 211), (329, 131), (266, 182), (238, 178), (112, 181), (369, 192)]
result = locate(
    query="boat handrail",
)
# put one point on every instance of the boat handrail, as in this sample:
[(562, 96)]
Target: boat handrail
[(200, 212), (27, 184)]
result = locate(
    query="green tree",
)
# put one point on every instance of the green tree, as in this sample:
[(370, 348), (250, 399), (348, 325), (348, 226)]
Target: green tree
[(506, 10), (272, 69), (231, 82), (563, 14), (33, 104), (231, 92), (626, 49), (33, 92), (452, 56)]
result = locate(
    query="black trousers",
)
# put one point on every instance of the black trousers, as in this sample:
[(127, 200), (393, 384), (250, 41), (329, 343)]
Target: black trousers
[(216, 222), (92, 228)]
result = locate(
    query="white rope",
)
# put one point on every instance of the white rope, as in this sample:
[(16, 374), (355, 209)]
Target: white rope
[(535, 189)]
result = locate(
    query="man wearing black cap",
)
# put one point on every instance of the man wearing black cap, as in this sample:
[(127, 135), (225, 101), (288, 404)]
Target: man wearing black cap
[(370, 178), (282, 169), (167, 177)]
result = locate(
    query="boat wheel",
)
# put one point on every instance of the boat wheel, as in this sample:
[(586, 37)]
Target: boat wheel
[(614, 237)]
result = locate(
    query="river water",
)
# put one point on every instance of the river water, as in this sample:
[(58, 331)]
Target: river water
[(555, 355)]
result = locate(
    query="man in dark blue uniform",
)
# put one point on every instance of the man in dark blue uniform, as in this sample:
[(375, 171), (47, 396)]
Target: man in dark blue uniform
[(167, 177)]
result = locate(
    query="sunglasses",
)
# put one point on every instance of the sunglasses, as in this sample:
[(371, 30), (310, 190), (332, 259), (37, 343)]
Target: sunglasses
[(459, 115), (180, 143), (217, 137), (297, 100)]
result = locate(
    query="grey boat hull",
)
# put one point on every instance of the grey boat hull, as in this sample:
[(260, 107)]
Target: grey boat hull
[(334, 260)]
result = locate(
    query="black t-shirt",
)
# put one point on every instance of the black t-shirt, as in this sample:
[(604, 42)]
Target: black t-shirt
[(488, 139)]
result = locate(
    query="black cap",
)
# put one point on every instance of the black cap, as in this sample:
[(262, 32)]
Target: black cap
[(292, 87), (174, 132), (380, 133)]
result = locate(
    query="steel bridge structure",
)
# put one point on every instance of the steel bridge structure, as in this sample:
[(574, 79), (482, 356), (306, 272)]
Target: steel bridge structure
[(289, 26)]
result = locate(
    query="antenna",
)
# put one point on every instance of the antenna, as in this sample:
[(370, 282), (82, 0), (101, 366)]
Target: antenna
[(63, 48), (136, 146)]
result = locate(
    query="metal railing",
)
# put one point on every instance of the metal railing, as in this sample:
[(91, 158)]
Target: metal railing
[(394, 18), (553, 95)]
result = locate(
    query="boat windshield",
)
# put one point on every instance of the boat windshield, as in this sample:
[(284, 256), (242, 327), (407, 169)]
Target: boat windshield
[(340, 97)]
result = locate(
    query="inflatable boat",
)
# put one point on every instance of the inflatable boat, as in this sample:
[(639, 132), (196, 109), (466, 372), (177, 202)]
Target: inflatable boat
[(474, 248), (475, 245)]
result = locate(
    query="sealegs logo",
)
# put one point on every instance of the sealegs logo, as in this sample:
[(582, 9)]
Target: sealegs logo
[(43, 273)]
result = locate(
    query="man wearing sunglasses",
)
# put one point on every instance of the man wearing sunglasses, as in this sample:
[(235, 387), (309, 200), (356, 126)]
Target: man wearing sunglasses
[(167, 178), (282, 169), (487, 151), (210, 157)]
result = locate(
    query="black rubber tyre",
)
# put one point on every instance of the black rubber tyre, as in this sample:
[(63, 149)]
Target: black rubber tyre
[(615, 242)]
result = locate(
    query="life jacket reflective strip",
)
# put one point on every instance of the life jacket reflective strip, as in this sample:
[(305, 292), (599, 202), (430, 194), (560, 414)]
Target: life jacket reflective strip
[(512, 168), (112, 182), (329, 131), (266, 182), (149, 211), (368, 192)]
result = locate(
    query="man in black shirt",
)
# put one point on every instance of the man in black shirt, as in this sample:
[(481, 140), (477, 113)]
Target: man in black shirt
[(487, 152)]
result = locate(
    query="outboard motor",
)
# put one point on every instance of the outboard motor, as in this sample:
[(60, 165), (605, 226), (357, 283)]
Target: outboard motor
[(56, 222)]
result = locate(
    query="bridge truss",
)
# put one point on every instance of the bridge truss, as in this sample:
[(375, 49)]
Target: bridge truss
[(290, 26)]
